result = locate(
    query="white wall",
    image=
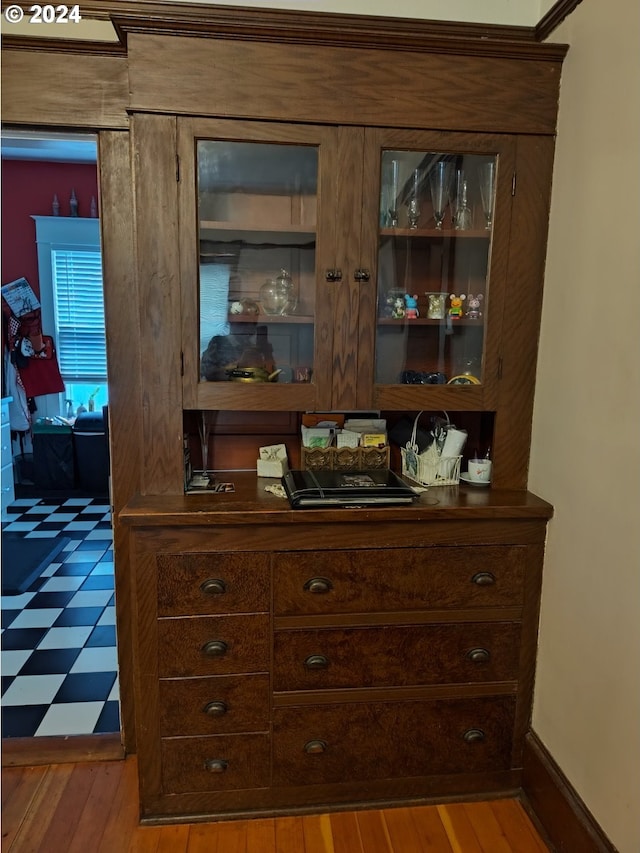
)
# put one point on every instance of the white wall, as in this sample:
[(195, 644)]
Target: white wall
[(524, 13), (586, 431)]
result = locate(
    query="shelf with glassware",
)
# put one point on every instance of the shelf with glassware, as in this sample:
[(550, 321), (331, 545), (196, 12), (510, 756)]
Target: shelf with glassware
[(434, 262)]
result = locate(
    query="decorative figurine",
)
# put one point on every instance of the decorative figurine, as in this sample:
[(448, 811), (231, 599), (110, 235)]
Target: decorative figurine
[(398, 309), (473, 306), (437, 306), (411, 303), (455, 311)]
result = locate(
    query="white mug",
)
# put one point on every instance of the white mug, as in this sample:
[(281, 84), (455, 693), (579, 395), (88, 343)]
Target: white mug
[(480, 470)]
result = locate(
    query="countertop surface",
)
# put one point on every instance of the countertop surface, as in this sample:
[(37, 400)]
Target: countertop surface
[(249, 502)]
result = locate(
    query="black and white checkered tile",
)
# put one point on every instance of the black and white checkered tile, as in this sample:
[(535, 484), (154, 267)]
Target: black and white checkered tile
[(58, 659)]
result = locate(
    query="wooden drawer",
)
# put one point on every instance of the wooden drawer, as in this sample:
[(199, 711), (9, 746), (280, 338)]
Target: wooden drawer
[(213, 645), (193, 584), (398, 655), (220, 763), (207, 706), (398, 579), (345, 743)]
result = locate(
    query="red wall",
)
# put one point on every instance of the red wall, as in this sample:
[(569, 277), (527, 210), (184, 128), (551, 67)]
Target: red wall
[(27, 190)]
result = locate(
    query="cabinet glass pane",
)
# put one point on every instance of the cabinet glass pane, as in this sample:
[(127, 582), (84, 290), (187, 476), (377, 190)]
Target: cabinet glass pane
[(257, 244), (436, 223)]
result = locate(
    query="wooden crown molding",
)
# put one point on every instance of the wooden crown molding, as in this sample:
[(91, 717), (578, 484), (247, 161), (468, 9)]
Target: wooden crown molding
[(300, 27), (554, 17), (66, 46)]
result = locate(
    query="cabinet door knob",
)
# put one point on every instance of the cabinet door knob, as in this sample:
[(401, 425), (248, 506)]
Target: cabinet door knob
[(213, 586), (483, 579), (314, 747), (478, 655), (362, 275), (473, 736), (215, 648), (333, 275), (316, 662), (318, 586), (216, 765), (215, 709)]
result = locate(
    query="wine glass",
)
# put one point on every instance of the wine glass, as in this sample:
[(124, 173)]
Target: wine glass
[(487, 191), (440, 180), (413, 203)]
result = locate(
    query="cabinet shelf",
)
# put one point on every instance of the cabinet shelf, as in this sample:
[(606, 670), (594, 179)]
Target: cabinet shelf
[(284, 319), (294, 235), (425, 321), (475, 234)]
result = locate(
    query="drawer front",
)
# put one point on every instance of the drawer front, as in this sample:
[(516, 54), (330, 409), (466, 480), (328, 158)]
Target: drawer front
[(398, 579), (213, 645), (346, 743), (399, 655), (193, 584), (220, 763), (208, 706)]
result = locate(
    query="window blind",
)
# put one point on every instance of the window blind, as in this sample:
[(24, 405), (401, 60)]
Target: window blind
[(79, 310)]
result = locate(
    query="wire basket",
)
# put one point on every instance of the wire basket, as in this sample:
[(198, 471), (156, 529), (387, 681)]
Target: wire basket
[(429, 468)]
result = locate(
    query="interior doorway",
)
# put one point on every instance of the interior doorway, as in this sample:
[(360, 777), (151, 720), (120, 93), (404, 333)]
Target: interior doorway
[(59, 657)]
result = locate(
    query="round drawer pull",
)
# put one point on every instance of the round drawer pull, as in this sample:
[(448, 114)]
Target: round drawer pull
[(215, 709), (479, 655), (213, 586), (483, 579), (315, 747), (215, 648), (316, 662), (216, 765), (318, 586), (474, 736)]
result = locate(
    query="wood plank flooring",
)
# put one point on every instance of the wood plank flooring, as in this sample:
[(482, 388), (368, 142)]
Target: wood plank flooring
[(93, 806)]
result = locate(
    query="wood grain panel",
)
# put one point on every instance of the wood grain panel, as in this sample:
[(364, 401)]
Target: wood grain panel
[(181, 642), (183, 703), (125, 393), (519, 345), (388, 656), (156, 211), (344, 295), (341, 85), (51, 88), (373, 580), (247, 758), (390, 740), (243, 583)]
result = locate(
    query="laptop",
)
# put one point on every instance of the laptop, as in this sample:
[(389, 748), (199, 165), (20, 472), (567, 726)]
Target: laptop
[(307, 489)]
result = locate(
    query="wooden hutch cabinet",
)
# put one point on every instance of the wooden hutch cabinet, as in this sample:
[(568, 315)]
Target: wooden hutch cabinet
[(295, 177)]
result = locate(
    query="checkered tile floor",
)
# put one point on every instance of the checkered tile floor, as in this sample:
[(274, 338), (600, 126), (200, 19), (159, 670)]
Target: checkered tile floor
[(58, 659)]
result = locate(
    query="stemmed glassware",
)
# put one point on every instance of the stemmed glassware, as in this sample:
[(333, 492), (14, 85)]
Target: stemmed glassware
[(440, 181), (413, 203), (487, 191), (462, 218)]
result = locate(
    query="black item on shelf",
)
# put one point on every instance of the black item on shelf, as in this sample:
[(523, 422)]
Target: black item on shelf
[(91, 452), (53, 463)]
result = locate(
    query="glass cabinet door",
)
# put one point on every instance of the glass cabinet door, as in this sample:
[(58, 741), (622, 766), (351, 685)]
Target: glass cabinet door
[(257, 222), (256, 234), (436, 271)]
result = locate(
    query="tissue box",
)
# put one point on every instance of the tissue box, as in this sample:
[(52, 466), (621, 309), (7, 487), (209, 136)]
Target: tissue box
[(273, 461)]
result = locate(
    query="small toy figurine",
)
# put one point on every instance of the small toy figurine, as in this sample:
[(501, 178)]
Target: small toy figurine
[(411, 306), (387, 308), (473, 306), (455, 311), (398, 308)]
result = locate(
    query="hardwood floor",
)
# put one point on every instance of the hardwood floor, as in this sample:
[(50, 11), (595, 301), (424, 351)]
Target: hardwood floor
[(93, 806)]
